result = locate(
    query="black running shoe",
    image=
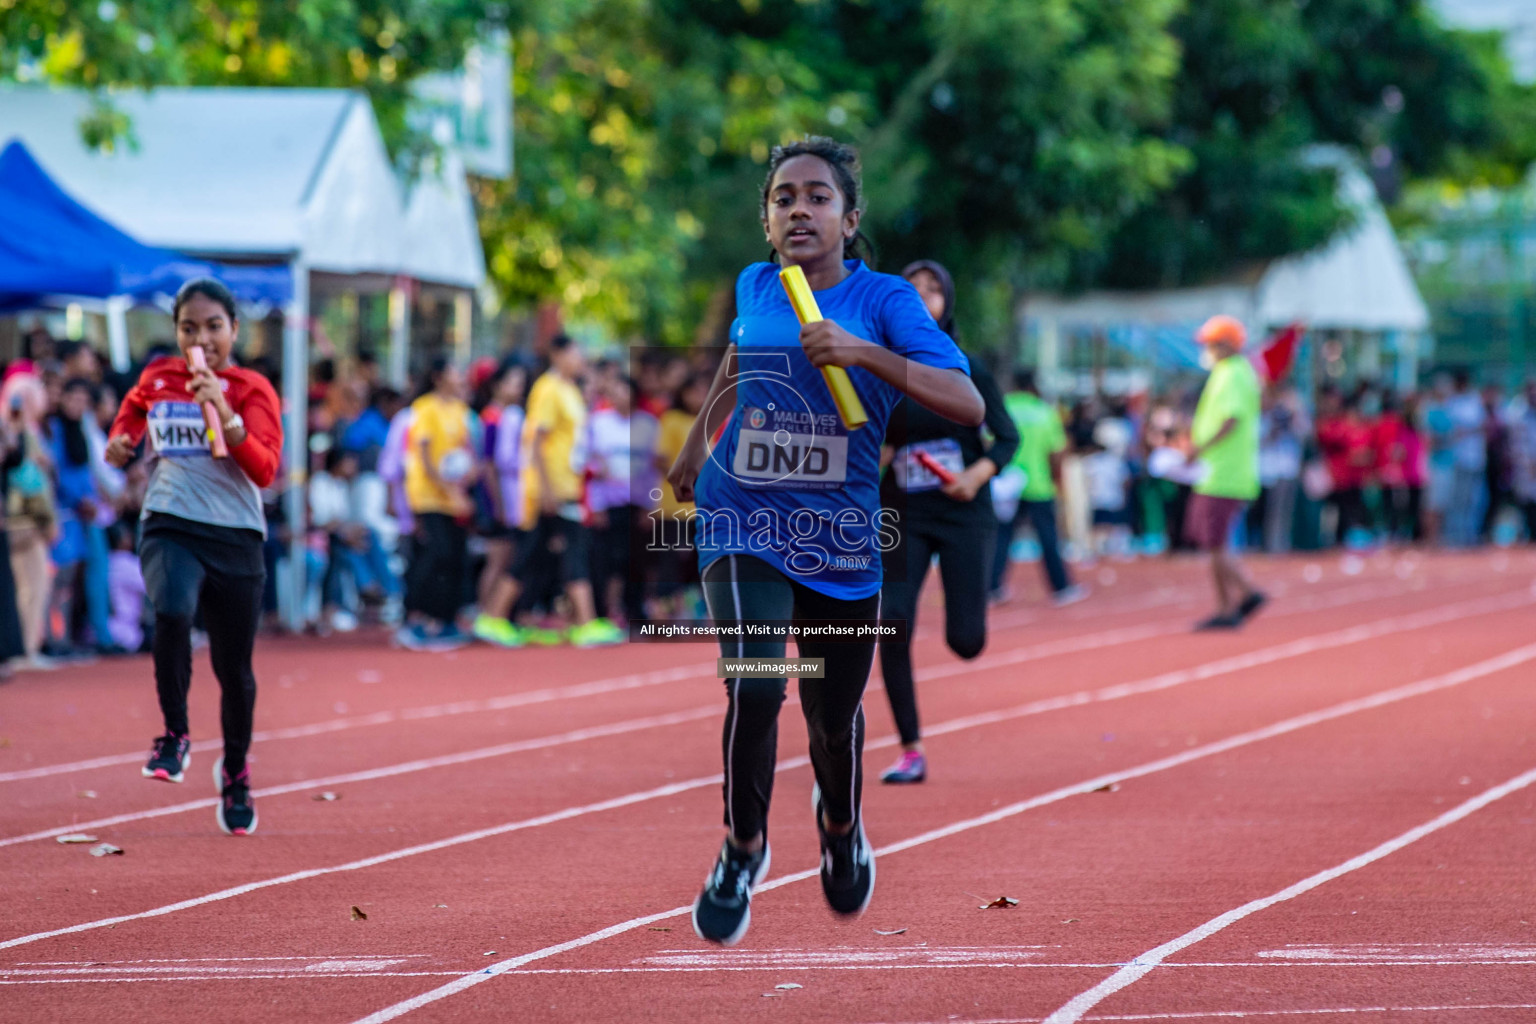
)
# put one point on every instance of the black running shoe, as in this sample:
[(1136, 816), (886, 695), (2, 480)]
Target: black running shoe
[(236, 811), (724, 909), (847, 867), (1251, 605), (168, 758), (1219, 622)]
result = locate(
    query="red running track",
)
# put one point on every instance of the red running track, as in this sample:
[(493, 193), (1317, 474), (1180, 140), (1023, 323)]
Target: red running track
[(1328, 816)]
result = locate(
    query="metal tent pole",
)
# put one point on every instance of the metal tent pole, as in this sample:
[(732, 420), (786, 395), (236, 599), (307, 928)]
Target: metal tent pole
[(296, 435)]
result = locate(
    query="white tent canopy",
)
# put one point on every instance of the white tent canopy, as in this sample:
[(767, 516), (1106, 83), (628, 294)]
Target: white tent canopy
[(286, 174), (442, 235), (1359, 281)]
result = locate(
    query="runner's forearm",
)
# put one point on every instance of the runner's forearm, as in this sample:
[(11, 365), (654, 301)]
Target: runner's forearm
[(949, 393)]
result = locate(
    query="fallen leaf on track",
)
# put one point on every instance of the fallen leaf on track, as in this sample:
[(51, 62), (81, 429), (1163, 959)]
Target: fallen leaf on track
[(788, 986), (77, 837), (661, 929), (87, 794), (1070, 920), (106, 850), (895, 931), (1001, 903), (441, 906), (358, 915), (327, 796), (1108, 787), (489, 952)]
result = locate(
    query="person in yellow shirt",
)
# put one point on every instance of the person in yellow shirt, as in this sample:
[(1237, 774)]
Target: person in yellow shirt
[(1225, 433), (440, 467), (554, 427), (677, 566)]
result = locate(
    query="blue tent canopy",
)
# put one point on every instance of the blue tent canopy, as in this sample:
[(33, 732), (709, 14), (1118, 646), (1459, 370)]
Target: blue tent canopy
[(52, 245)]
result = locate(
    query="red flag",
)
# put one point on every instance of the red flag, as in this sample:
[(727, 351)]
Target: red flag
[(1279, 352)]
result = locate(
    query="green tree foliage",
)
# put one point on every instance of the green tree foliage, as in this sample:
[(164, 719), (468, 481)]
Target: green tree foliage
[(1047, 143), (375, 45), (632, 131), (1263, 79)]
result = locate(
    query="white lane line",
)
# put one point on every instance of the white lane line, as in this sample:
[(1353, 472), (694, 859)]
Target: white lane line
[(1075, 1008), (1321, 1011), (227, 977), (1409, 953), (405, 768), (636, 681), (368, 862), (672, 789), (1245, 1014), (1119, 691), (311, 974), (1479, 670), (547, 695)]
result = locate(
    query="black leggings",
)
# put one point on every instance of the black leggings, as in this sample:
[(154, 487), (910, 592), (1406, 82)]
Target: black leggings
[(613, 554), (965, 554), (185, 573), (743, 588), (439, 566)]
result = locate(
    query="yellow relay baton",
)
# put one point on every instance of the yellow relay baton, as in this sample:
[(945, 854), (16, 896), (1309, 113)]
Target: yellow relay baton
[(849, 408)]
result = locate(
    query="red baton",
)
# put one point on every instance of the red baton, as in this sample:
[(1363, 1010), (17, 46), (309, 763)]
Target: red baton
[(931, 464)]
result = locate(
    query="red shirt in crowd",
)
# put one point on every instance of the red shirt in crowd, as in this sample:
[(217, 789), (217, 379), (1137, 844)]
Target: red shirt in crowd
[(1399, 452), (1349, 447)]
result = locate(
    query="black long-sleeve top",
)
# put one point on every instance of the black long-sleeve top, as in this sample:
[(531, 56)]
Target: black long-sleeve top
[(952, 445)]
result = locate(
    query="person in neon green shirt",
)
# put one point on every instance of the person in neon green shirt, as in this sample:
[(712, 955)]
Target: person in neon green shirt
[(1041, 442), (1225, 434)]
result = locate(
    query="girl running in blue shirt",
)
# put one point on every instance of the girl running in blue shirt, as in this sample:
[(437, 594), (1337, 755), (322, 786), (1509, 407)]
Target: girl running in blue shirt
[(790, 527)]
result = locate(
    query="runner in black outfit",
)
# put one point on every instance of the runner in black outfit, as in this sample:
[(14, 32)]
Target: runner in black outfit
[(203, 530), (954, 521)]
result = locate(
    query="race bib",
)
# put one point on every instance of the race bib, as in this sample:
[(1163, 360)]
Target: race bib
[(912, 475), (791, 449), (177, 430)]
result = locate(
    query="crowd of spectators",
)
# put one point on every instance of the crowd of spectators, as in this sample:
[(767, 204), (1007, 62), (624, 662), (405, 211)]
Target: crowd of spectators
[(518, 500), (1357, 467)]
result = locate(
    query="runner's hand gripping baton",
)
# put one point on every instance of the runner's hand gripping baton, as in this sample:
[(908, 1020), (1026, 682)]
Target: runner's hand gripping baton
[(849, 408), (210, 413)]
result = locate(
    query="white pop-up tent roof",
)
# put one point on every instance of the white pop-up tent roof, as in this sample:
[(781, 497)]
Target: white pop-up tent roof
[(280, 173), (443, 236), (1357, 281)]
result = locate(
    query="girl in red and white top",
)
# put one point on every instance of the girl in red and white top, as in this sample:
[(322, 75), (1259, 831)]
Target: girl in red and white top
[(202, 529)]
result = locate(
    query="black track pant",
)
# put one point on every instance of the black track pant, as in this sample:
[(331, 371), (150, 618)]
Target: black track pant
[(440, 565), (742, 588), (965, 554), (1041, 515), (615, 553), (185, 572)]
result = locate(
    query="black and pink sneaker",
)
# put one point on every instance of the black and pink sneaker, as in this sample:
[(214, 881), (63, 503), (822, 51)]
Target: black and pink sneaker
[(168, 758), (236, 811), (912, 768)]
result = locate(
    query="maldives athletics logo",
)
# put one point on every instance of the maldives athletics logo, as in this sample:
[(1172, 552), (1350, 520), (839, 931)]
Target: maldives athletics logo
[(756, 418)]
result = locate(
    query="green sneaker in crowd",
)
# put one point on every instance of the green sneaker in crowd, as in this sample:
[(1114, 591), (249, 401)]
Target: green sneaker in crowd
[(541, 637), (499, 632), (597, 633)]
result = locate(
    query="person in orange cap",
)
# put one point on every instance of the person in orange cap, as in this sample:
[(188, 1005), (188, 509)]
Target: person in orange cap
[(1225, 434)]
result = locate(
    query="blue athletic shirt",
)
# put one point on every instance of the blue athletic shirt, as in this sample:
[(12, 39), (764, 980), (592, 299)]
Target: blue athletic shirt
[(788, 483)]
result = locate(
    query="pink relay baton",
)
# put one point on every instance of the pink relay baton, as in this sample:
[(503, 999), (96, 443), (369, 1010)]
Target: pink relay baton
[(216, 442)]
